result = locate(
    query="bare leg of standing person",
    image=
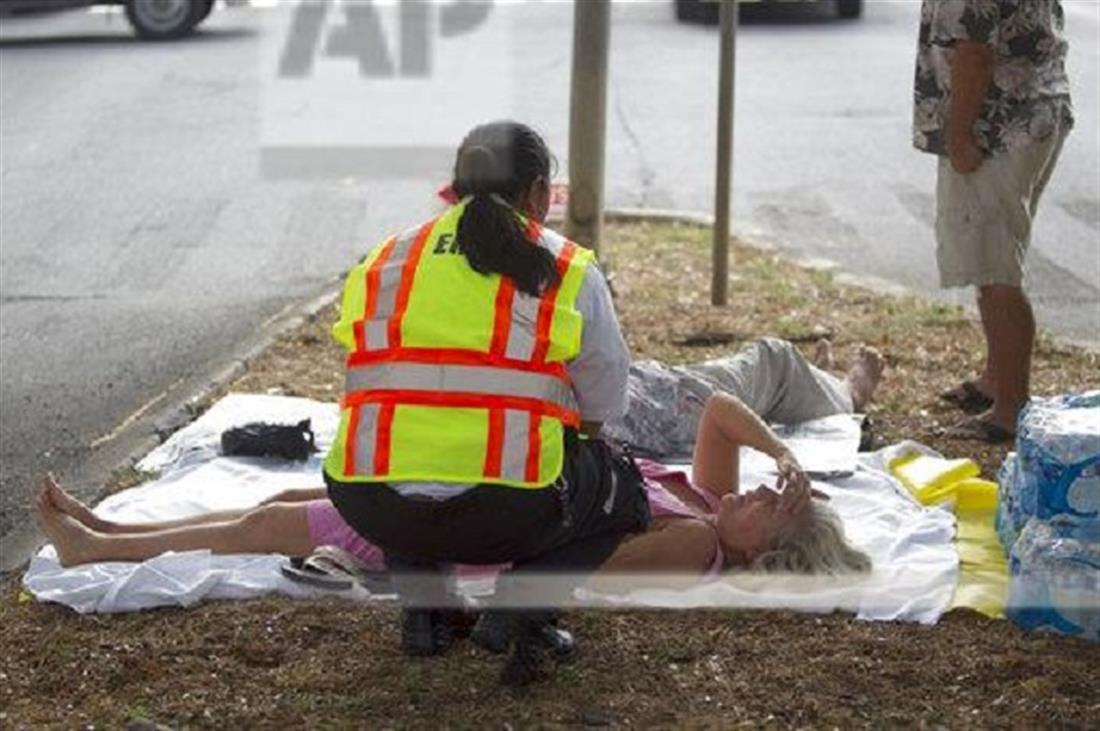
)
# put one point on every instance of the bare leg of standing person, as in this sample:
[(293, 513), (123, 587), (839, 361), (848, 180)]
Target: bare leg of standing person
[(1010, 337)]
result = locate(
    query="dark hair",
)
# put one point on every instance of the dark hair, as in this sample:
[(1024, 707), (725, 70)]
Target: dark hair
[(496, 164)]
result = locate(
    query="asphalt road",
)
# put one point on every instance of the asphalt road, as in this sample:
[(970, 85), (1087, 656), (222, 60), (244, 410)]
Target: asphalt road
[(160, 202)]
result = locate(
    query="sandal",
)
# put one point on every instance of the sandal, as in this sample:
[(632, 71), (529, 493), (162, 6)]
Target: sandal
[(331, 567), (981, 430), (968, 397)]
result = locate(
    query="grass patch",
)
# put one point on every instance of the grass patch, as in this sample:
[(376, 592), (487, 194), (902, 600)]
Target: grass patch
[(277, 662), (126, 477)]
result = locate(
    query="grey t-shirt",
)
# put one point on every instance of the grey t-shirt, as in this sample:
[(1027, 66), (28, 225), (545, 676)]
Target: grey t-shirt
[(599, 371)]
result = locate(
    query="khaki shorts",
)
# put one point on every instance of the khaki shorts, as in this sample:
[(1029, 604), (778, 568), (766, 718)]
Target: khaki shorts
[(983, 219)]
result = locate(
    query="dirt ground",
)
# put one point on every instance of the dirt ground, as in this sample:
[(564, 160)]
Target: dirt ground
[(283, 663)]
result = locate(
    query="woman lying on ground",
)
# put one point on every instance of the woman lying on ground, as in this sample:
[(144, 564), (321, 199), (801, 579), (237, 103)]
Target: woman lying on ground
[(697, 528)]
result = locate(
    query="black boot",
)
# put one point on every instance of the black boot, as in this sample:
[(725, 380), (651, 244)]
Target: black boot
[(524, 665), (424, 633), (459, 621), (493, 632), (560, 642)]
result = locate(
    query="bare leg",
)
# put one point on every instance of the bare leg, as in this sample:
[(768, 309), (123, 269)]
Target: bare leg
[(1010, 335), (273, 528), (987, 381), (69, 505), (823, 355), (863, 377)]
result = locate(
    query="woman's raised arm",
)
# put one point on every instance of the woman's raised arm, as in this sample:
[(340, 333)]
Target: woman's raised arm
[(725, 425)]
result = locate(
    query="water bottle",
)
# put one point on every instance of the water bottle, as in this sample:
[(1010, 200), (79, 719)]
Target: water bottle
[(1058, 458), (1006, 520), (1055, 577)]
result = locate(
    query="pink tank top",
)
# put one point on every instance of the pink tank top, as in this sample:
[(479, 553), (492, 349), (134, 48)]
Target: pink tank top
[(663, 502)]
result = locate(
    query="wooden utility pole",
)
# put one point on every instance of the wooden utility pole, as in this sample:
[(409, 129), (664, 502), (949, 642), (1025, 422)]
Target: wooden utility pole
[(588, 121), (723, 188)]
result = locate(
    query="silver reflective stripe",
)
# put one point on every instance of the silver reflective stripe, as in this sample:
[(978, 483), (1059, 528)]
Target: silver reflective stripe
[(521, 334), (525, 309), (389, 281), (483, 380), (552, 241), (513, 462), (377, 334), (365, 437)]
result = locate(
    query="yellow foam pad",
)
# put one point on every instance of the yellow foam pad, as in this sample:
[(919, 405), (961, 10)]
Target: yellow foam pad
[(931, 479), (983, 567)]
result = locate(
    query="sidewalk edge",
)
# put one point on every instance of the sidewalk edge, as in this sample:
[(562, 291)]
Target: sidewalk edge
[(19, 545)]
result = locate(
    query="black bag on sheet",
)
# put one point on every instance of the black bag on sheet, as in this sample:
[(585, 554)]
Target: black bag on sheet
[(260, 439)]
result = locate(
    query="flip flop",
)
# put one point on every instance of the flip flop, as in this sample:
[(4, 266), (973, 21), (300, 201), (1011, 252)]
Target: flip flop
[(296, 570), (332, 567), (968, 397), (980, 430)]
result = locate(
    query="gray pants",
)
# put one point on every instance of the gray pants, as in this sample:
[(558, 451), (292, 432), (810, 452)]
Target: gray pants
[(770, 376), (775, 380)]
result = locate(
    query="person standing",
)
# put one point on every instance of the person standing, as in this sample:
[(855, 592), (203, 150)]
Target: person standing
[(992, 100)]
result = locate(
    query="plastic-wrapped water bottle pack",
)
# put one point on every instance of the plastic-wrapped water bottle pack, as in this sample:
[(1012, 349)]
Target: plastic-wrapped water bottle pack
[(1055, 566), (1048, 516)]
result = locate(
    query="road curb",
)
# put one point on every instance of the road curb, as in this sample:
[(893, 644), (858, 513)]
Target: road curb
[(18, 545), (282, 322)]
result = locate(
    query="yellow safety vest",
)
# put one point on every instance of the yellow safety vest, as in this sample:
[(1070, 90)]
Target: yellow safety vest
[(452, 375)]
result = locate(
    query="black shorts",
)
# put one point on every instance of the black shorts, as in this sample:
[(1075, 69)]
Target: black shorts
[(573, 524)]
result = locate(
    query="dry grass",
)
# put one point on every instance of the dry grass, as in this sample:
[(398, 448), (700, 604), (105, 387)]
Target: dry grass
[(277, 662)]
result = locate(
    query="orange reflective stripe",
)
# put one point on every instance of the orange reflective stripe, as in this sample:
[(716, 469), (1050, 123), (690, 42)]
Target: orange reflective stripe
[(506, 297), (533, 232), (502, 322), (453, 356), (456, 400), (549, 301), (408, 273), (373, 277), (534, 448), (494, 451), (383, 440), (349, 442)]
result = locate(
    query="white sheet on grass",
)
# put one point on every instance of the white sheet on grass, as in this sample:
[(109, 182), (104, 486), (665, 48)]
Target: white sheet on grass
[(915, 563)]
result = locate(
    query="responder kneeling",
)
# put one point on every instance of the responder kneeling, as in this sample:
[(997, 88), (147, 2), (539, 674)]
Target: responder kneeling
[(483, 355)]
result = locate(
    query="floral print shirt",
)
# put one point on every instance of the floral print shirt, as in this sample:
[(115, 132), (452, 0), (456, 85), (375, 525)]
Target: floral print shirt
[(1028, 98)]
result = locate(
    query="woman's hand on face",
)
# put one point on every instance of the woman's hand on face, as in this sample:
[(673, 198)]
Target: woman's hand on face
[(790, 472), (793, 484)]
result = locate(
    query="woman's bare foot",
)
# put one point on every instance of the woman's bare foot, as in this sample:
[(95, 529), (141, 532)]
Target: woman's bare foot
[(72, 507), (823, 355), (864, 375), (74, 542)]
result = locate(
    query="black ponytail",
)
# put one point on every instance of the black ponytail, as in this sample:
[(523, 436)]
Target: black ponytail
[(496, 164)]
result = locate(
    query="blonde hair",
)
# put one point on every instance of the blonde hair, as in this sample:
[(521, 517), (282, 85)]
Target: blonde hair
[(816, 545)]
